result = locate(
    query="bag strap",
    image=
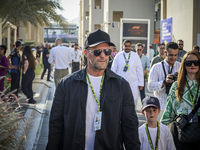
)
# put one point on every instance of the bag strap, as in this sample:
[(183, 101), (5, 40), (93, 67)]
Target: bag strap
[(190, 116), (164, 68)]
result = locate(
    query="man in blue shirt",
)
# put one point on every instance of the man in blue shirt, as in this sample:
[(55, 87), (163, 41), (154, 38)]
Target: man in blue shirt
[(145, 65), (15, 66)]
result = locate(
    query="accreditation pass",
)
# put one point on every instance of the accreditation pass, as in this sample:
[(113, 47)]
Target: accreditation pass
[(97, 121)]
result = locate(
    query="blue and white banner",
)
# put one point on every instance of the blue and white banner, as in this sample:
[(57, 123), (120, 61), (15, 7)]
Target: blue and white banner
[(166, 30)]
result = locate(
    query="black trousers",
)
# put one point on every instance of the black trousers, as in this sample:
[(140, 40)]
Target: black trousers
[(26, 84), (142, 92), (46, 66), (15, 80), (75, 66), (180, 145)]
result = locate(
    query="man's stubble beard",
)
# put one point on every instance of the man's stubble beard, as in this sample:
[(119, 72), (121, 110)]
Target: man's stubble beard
[(94, 64), (180, 49)]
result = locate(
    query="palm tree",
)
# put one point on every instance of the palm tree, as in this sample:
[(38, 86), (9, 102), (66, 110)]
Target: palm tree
[(34, 11)]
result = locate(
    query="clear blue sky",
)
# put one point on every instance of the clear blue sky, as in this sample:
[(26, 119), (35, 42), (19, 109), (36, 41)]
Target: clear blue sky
[(71, 8)]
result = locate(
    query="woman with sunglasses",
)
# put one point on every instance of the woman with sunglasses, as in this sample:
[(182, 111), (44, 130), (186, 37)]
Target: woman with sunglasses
[(183, 96), (29, 65), (3, 66)]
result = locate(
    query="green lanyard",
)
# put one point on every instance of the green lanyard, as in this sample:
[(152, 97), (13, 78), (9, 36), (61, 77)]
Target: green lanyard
[(95, 97), (111, 57), (192, 98), (149, 137), (127, 61), (160, 58)]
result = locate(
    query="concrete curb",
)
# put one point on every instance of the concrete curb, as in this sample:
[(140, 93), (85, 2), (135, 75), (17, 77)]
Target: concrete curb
[(37, 117), (30, 116)]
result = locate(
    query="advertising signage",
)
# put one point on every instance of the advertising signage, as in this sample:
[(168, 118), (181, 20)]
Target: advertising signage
[(134, 42), (166, 30), (135, 30)]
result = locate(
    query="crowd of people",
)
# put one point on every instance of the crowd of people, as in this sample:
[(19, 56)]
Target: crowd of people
[(24, 66), (95, 106), (15, 62)]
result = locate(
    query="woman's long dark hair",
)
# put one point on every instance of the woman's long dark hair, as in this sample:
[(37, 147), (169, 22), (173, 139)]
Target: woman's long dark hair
[(31, 59), (182, 75)]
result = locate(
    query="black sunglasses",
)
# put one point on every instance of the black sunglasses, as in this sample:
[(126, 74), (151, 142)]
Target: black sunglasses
[(195, 62), (139, 49), (98, 52)]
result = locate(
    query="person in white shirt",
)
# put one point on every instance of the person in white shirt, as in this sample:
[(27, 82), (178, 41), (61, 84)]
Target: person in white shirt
[(145, 65), (76, 58), (161, 74), (61, 55), (151, 52), (153, 134), (128, 65)]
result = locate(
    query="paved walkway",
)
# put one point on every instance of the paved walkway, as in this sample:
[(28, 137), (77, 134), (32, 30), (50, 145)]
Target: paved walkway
[(37, 122)]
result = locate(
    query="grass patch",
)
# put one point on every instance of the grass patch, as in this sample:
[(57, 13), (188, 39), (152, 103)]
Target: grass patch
[(39, 69)]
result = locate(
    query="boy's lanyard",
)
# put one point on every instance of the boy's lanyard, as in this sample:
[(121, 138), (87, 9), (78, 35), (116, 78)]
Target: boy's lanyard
[(127, 61), (149, 137), (92, 89)]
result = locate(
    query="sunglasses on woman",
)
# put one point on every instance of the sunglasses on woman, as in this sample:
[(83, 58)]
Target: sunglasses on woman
[(195, 62), (98, 52)]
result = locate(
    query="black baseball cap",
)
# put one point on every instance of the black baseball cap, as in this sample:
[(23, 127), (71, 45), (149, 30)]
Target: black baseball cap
[(150, 101), (97, 37)]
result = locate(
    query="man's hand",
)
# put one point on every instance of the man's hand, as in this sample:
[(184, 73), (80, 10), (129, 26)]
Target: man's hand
[(146, 71), (13, 67), (140, 87), (168, 80)]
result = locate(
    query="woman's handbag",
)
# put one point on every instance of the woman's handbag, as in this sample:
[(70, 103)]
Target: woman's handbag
[(188, 132)]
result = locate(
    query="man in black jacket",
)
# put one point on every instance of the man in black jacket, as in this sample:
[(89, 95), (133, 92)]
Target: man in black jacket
[(94, 108), (46, 64)]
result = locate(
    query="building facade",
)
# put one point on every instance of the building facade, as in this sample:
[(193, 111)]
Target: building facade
[(69, 35), (106, 15), (185, 20)]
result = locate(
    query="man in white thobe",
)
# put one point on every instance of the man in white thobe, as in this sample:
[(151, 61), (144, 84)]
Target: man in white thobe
[(128, 65)]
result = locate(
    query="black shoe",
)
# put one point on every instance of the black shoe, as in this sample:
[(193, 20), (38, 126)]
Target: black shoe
[(31, 101), (49, 80)]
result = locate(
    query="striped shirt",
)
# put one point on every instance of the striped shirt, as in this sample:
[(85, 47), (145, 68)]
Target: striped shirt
[(156, 78), (185, 106), (156, 60)]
